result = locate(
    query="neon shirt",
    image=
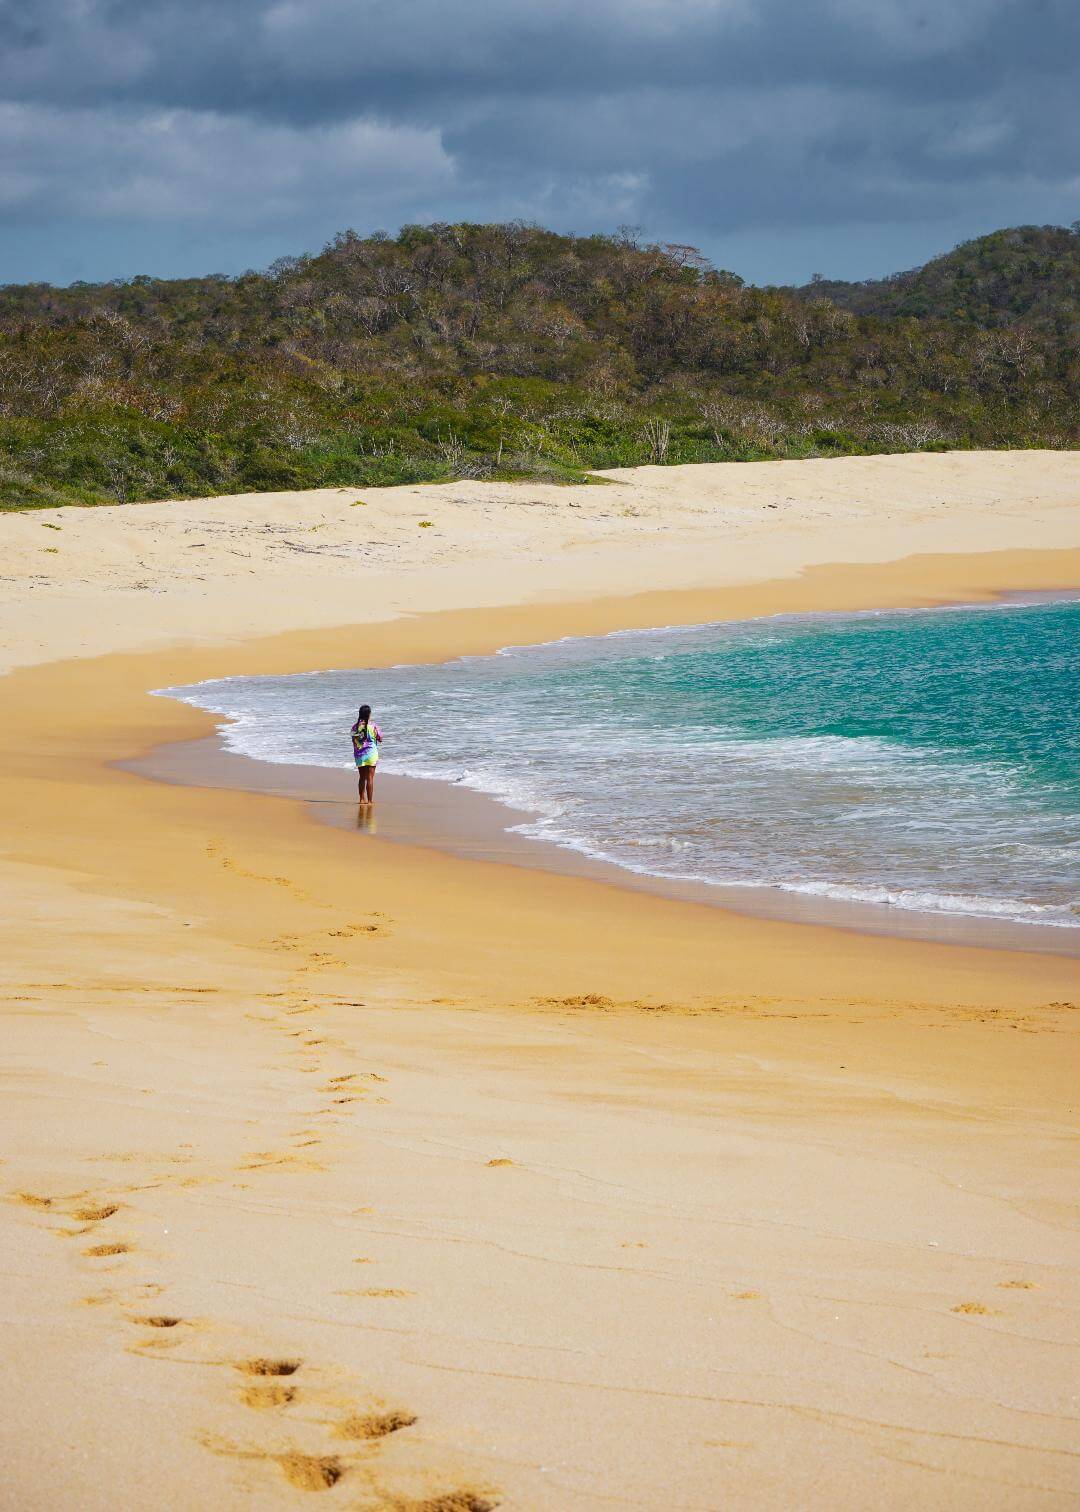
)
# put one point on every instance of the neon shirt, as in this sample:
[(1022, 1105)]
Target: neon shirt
[(366, 744)]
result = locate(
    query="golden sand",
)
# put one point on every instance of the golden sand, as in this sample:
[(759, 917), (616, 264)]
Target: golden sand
[(756, 1179)]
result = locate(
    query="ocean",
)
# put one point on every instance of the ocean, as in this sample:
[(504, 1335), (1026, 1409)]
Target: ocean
[(924, 760)]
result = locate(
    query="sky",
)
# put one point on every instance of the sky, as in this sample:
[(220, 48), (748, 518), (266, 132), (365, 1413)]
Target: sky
[(782, 137)]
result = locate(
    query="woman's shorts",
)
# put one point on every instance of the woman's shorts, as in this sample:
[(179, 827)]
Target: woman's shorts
[(366, 761)]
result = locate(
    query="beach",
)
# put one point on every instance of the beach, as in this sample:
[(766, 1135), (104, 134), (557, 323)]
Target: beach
[(368, 1168)]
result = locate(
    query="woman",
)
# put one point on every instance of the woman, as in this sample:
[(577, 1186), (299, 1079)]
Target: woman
[(366, 740)]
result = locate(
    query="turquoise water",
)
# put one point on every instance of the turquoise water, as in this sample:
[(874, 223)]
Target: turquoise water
[(922, 759)]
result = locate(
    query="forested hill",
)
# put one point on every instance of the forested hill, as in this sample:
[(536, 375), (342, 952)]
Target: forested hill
[(1030, 274), (506, 350)]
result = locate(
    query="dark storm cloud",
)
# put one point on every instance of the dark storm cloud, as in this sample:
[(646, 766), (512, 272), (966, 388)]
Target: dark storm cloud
[(279, 120)]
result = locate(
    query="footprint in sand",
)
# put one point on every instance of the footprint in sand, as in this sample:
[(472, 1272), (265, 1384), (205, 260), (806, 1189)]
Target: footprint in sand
[(975, 1309), (260, 1160), (452, 1501), (85, 1211), (581, 1000), (89, 1215), (373, 1425), (1019, 1285), (320, 1472), (269, 1388), (300, 942), (352, 930), (217, 852), (164, 1333), (98, 1299), (263, 1366), (96, 1213), (32, 1199), (264, 1398), (307, 1472), (351, 1087), (310, 1472)]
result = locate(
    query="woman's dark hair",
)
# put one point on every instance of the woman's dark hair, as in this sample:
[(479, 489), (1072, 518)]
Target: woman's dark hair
[(365, 714)]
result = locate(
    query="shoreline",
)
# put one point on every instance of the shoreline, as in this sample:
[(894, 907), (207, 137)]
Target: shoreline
[(140, 723), (438, 814), (572, 1193), (430, 814)]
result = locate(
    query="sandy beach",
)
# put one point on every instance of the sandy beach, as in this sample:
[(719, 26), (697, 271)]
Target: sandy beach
[(341, 1166)]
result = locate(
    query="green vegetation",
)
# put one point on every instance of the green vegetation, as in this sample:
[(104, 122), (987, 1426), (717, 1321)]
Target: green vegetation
[(508, 351), (1029, 275)]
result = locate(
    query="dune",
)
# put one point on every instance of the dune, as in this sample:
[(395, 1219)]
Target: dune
[(658, 1205)]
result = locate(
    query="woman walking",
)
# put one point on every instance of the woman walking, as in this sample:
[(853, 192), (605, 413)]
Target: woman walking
[(366, 740)]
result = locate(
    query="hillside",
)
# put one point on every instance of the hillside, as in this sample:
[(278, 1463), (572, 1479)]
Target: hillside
[(1029, 274), (509, 351)]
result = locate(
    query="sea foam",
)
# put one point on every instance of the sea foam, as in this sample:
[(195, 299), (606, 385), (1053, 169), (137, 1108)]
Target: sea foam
[(918, 760)]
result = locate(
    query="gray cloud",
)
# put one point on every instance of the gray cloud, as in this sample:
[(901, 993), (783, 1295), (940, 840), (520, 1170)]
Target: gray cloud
[(765, 127)]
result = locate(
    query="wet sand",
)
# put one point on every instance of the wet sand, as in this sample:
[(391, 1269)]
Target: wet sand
[(448, 817)]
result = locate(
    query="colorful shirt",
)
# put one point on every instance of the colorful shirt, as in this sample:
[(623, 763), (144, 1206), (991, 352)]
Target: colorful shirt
[(366, 742)]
